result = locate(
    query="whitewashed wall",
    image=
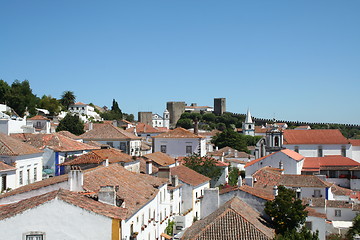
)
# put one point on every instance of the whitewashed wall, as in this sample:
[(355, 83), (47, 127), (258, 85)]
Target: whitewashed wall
[(308, 150), (176, 147)]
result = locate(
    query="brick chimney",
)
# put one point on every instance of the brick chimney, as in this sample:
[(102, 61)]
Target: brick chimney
[(107, 194), (76, 179)]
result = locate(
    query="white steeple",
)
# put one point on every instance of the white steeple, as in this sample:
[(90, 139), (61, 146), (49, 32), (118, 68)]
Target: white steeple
[(248, 118)]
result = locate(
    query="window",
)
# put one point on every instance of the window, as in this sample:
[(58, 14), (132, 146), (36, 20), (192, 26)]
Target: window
[(249, 126), (123, 146), (337, 213), (320, 151), (343, 151), (21, 178), (35, 174), (189, 149), (142, 219), (308, 225), (3, 183), (35, 236), (38, 124), (163, 148), (296, 149), (317, 193), (28, 176), (276, 139)]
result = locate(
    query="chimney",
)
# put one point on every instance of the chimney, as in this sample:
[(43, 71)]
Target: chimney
[(240, 181), (76, 179), (174, 180), (310, 202), (176, 162), (196, 126), (148, 167), (281, 165), (222, 158), (107, 194), (249, 181), (106, 162), (216, 148), (275, 191), (90, 126), (228, 152), (134, 131), (164, 172), (236, 153), (210, 201)]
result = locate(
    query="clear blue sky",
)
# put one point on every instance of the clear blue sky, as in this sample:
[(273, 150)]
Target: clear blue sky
[(295, 60)]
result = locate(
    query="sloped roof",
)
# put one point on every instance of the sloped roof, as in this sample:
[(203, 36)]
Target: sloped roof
[(13, 147), (178, 133), (188, 175), (229, 153), (160, 158), (100, 155), (336, 162), (233, 220), (55, 141), (257, 192), (69, 135), (293, 155), (314, 136), (108, 132), (143, 128), (354, 142), (5, 167), (72, 198), (134, 188), (39, 117)]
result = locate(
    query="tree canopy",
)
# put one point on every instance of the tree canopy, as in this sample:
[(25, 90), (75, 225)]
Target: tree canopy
[(303, 234), (286, 211), (67, 98), (230, 138), (49, 103), (355, 229), (114, 114), (203, 165), (20, 98), (71, 123)]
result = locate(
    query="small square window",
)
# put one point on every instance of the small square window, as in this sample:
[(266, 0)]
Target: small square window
[(337, 213), (189, 149), (163, 148)]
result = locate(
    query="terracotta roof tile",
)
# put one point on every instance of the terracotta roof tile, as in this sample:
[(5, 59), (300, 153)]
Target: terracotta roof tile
[(188, 175), (257, 192), (39, 117), (108, 132), (13, 147), (55, 141), (354, 142), (313, 213), (143, 128), (314, 136), (290, 153), (233, 220), (69, 135), (178, 133), (143, 166), (160, 158), (329, 162), (338, 204), (229, 153), (5, 167), (66, 196)]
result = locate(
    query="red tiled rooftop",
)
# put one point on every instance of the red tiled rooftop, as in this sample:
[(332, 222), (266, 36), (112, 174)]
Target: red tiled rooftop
[(294, 155), (39, 117), (13, 147), (188, 175), (108, 132), (160, 158), (314, 136), (6, 167), (178, 133), (318, 163), (354, 142)]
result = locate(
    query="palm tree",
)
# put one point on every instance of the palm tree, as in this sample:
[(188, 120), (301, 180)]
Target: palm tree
[(67, 98)]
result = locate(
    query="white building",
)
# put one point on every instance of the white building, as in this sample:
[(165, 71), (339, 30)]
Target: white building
[(85, 111), (288, 160), (161, 121), (179, 142), (40, 124), (26, 159), (11, 123), (114, 137), (248, 127)]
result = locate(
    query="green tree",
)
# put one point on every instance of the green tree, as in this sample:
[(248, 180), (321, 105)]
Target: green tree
[(114, 114), (234, 174), (286, 211), (51, 104), (4, 91), (71, 123), (203, 165), (303, 234), (185, 123), (21, 99), (170, 228), (209, 117), (230, 138), (67, 98), (355, 229), (129, 117)]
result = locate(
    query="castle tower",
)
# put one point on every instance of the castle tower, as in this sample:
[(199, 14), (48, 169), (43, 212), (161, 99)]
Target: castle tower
[(166, 119), (248, 126)]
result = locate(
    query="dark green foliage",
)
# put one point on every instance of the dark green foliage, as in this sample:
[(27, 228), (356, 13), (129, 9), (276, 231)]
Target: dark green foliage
[(114, 114), (49, 103), (230, 138), (286, 211), (129, 117), (67, 98), (203, 165), (234, 174), (335, 236), (209, 117), (355, 229), (71, 123), (20, 98), (4, 91), (170, 228), (250, 140), (303, 234), (185, 123)]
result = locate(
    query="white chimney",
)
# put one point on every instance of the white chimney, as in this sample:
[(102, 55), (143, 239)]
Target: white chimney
[(222, 157), (106, 162), (249, 181), (76, 179), (310, 202), (216, 148), (281, 165), (239, 181), (275, 191), (236, 153), (148, 167), (107, 194), (90, 126)]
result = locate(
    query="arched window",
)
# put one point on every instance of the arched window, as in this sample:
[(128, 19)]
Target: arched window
[(276, 139)]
